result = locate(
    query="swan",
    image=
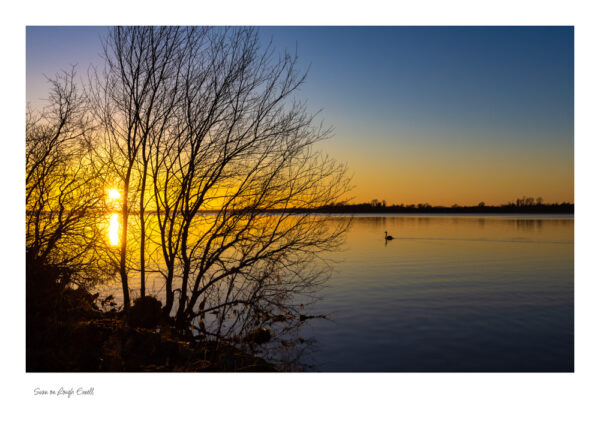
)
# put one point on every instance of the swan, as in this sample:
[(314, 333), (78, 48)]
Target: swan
[(388, 237)]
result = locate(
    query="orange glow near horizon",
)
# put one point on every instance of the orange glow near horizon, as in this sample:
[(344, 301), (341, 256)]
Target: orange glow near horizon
[(414, 172)]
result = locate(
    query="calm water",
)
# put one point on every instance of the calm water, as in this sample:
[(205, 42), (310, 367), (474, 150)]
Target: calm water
[(449, 294)]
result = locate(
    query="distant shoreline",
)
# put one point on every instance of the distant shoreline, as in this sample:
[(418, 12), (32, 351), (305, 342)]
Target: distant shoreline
[(449, 214), (364, 209), (367, 209)]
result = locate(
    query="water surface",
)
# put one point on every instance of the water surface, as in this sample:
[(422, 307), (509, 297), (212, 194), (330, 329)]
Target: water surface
[(449, 293)]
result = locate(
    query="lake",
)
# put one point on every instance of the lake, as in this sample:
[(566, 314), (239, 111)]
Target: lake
[(449, 293)]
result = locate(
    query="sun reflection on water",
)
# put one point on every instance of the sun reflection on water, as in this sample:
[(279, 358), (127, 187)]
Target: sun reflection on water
[(113, 229)]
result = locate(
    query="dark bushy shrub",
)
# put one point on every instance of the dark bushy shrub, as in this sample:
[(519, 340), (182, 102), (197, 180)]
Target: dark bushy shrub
[(146, 312)]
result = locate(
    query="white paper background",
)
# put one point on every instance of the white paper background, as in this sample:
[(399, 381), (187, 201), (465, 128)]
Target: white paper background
[(291, 398)]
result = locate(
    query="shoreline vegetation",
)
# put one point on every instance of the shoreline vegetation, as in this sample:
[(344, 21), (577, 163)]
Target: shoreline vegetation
[(71, 330)]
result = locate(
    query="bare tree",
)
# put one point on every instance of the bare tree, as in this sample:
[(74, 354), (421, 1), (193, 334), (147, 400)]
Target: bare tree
[(133, 99), (242, 147), (63, 198), (207, 117)]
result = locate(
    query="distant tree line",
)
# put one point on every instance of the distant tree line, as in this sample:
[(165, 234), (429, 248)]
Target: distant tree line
[(522, 205)]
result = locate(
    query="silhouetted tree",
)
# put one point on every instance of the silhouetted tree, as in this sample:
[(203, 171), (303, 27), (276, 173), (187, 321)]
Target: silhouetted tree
[(206, 116), (525, 202), (63, 198), (133, 99)]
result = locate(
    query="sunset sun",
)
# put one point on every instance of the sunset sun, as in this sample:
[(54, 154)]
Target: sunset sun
[(114, 194)]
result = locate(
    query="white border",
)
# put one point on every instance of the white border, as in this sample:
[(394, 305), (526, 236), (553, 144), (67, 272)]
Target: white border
[(413, 398)]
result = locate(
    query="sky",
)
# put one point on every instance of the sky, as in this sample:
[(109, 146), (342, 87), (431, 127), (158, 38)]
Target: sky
[(438, 115)]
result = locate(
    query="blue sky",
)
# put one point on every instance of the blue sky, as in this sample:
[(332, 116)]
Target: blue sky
[(421, 114)]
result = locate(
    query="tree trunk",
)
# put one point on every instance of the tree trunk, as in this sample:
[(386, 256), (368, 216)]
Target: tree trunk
[(143, 235), (180, 320), (122, 262), (170, 297)]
